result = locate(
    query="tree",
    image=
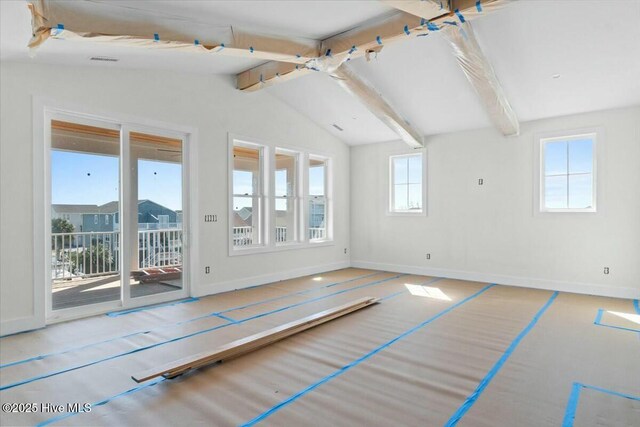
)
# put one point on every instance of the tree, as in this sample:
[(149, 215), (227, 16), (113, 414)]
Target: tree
[(59, 225), (95, 259)]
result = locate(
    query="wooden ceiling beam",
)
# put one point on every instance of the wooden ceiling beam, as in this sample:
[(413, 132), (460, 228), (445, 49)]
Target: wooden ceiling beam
[(371, 36)]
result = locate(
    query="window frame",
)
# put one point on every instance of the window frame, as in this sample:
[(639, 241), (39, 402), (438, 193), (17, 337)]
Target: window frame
[(328, 199), (390, 211), (263, 200), (295, 198), (541, 140), (268, 220)]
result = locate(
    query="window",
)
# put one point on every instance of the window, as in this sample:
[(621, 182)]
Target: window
[(567, 177), (106, 219), (280, 198), (406, 184), (286, 196), (247, 194), (318, 201), (95, 219)]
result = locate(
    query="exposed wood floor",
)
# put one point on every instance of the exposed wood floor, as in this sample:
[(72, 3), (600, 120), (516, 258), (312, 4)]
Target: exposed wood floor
[(434, 352), (97, 290)]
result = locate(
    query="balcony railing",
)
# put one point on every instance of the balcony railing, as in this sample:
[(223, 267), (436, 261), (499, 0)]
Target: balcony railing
[(89, 254), (243, 236)]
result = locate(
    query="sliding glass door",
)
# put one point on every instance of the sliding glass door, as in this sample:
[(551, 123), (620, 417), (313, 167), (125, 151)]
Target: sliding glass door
[(116, 214), (156, 211)]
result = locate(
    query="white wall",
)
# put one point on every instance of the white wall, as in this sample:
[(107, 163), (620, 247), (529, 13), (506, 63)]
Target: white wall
[(213, 106), (490, 232)]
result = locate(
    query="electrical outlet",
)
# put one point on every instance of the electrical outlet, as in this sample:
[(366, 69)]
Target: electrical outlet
[(606, 270), (345, 250), (207, 270), (428, 256), (480, 181)]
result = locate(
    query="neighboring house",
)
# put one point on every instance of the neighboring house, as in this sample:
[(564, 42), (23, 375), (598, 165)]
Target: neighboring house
[(74, 214), (105, 218)]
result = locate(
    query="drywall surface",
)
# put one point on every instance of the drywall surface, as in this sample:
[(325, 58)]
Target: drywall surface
[(209, 104), (493, 232)]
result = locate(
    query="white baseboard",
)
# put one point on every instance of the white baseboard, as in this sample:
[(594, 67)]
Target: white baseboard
[(21, 324), (245, 282), (526, 282)]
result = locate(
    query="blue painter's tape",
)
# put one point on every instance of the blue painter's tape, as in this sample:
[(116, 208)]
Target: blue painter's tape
[(636, 305), (406, 30), (598, 322), (422, 35), (478, 6), (60, 26), (432, 27), (572, 404), (353, 49), (378, 39), (196, 333), (151, 307), (159, 380), (223, 317), (356, 362), (460, 16), (473, 397), (221, 47), (450, 23), (598, 317), (156, 37), (251, 49), (298, 55), (43, 356), (103, 402), (196, 42), (328, 52)]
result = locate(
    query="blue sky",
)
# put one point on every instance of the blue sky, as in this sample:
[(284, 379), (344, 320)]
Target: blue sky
[(86, 179), (568, 174)]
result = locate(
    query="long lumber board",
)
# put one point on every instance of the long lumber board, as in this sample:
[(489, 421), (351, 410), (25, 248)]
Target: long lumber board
[(253, 342)]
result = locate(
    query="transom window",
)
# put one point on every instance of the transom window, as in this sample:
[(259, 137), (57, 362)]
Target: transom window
[(406, 184), (568, 174)]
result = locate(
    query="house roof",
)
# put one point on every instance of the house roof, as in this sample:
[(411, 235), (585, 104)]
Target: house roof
[(76, 209)]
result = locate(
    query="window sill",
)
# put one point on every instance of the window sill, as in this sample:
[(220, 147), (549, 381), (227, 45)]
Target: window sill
[(280, 248), (409, 214)]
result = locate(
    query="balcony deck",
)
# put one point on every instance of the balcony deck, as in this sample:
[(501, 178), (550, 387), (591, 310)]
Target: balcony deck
[(94, 290)]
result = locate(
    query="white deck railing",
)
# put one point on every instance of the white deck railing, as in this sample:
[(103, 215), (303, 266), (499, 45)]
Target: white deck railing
[(243, 236), (88, 254)]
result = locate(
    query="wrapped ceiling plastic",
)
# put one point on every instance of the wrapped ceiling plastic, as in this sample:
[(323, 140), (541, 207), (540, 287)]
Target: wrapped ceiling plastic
[(362, 90), (482, 77), (106, 22)]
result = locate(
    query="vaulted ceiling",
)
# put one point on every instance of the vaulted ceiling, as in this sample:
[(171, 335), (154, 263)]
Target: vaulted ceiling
[(552, 58)]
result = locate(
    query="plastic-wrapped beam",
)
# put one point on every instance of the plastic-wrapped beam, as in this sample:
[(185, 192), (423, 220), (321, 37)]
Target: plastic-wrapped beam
[(377, 105), (106, 23), (482, 77)]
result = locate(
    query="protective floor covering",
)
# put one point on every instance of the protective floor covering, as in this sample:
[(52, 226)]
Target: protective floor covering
[(433, 352)]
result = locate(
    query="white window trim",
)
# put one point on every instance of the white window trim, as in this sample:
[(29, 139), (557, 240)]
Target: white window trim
[(268, 179), (328, 198), (299, 166), (390, 184), (568, 135), (45, 109)]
